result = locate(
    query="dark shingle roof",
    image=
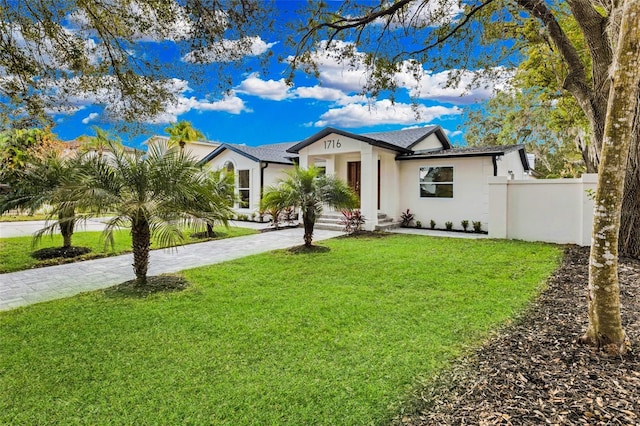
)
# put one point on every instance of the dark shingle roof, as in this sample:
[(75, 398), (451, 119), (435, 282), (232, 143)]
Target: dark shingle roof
[(469, 151), (274, 153), (405, 138), (465, 151)]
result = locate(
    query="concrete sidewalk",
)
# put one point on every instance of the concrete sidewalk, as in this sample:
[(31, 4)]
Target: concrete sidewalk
[(22, 229), (55, 282)]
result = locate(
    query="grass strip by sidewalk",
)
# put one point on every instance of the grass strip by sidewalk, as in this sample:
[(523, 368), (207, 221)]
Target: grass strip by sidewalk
[(15, 252), (22, 218), (336, 337)]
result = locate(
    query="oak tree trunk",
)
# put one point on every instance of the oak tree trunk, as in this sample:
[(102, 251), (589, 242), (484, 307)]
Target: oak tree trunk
[(605, 325), (630, 219)]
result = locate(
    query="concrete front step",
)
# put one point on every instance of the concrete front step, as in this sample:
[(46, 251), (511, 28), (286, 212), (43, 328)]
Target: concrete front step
[(331, 221)]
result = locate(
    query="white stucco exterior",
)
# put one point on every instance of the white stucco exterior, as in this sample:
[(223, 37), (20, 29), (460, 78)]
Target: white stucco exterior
[(384, 169), (470, 199), (261, 174), (419, 170)]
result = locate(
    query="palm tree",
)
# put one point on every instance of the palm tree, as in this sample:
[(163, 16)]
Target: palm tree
[(183, 132), (40, 183), (310, 190), (99, 143), (158, 193), (222, 189), (273, 203)]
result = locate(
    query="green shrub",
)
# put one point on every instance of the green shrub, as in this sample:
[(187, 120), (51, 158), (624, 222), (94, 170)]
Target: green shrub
[(406, 219), (448, 225)]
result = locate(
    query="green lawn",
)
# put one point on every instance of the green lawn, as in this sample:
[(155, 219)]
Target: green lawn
[(15, 253), (21, 217), (340, 337)]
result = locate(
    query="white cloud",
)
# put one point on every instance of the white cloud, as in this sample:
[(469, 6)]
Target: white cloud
[(350, 76), (425, 14), (383, 112), (319, 93), (229, 50), (143, 22), (109, 97), (275, 90), (90, 117), (336, 72), (471, 87), (229, 103)]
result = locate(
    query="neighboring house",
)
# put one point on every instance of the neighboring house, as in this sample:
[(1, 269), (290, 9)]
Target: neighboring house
[(198, 149), (77, 145), (391, 172), (254, 169)]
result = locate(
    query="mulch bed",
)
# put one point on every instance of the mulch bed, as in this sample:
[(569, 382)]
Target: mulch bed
[(155, 284), (60, 252), (534, 372)]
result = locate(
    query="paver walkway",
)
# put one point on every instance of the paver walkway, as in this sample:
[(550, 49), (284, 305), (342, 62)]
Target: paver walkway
[(55, 282)]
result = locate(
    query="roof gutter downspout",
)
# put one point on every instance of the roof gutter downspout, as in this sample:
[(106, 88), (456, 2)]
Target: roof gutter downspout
[(494, 160), (263, 165)]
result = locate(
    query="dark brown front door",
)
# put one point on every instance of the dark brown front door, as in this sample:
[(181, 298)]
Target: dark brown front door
[(353, 176)]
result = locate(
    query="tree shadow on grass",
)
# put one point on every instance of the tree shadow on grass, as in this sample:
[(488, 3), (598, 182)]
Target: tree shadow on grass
[(166, 283)]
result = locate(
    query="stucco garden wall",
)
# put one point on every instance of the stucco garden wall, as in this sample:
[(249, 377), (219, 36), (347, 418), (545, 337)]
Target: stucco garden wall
[(552, 210)]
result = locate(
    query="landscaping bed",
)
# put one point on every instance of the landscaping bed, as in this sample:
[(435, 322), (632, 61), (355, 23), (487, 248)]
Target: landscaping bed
[(535, 372)]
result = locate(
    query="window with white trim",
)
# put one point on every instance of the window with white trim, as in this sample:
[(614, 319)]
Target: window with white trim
[(436, 182), (243, 189)]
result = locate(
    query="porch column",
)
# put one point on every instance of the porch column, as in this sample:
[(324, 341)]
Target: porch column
[(369, 186), (331, 165), (303, 159)]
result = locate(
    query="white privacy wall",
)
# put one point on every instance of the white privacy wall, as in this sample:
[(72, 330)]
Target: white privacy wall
[(552, 210)]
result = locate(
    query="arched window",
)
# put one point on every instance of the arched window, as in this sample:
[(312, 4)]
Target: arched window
[(228, 166)]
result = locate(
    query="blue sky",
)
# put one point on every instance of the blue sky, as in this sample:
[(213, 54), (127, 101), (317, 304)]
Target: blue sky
[(260, 108)]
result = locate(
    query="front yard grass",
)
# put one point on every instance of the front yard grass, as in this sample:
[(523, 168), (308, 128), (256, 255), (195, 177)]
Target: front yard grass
[(335, 337), (15, 253)]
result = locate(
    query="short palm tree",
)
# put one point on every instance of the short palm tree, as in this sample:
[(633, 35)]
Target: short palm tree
[(222, 190), (98, 143), (310, 190), (183, 132), (40, 183), (158, 194)]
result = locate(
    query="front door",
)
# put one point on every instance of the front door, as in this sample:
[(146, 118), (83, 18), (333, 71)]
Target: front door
[(353, 177)]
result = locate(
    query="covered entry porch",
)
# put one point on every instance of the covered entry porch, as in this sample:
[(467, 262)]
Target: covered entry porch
[(370, 171)]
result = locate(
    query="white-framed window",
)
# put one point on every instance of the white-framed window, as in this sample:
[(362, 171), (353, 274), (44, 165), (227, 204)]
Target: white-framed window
[(244, 191), (436, 182)]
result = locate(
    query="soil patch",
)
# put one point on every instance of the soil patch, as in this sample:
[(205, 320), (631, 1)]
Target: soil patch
[(155, 284), (304, 249), (367, 234), (534, 371), (60, 252)]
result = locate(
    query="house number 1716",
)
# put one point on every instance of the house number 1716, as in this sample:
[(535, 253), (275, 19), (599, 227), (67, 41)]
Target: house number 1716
[(332, 143)]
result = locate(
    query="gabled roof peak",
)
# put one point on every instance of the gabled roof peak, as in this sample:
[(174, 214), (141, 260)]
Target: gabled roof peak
[(396, 140)]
